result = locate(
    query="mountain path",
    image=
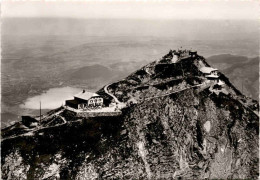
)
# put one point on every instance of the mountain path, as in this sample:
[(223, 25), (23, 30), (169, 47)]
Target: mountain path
[(112, 95), (174, 92)]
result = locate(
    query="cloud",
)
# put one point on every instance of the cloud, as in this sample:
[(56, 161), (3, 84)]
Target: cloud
[(51, 99)]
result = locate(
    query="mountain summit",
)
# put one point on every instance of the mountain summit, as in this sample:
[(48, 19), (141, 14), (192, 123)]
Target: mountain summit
[(176, 117)]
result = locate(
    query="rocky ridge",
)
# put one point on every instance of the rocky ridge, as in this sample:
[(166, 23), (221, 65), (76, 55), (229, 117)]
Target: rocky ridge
[(176, 125)]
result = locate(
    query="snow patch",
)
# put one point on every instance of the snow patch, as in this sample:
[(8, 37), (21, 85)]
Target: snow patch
[(207, 126), (142, 152), (53, 171)]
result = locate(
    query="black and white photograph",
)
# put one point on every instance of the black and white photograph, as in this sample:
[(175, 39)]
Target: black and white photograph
[(129, 89)]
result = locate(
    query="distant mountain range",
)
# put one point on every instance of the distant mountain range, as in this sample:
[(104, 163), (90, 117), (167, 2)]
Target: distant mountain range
[(90, 72)]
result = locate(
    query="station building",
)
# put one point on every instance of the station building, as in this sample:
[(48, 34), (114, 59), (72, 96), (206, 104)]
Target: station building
[(84, 100), (209, 72)]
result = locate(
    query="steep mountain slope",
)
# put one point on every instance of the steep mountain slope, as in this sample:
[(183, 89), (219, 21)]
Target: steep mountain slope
[(176, 124), (243, 72)]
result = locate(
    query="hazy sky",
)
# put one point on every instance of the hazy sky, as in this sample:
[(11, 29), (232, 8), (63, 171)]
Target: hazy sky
[(221, 9)]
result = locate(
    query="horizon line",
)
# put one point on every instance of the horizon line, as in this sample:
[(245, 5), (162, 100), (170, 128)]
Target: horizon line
[(128, 18)]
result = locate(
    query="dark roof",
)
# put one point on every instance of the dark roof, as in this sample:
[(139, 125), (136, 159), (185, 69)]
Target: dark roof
[(73, 101), (28, 119), (216, 85)]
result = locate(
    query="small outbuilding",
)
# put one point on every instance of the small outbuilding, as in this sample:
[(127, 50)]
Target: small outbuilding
[(193, 53), (209, 72), (221, 83)]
